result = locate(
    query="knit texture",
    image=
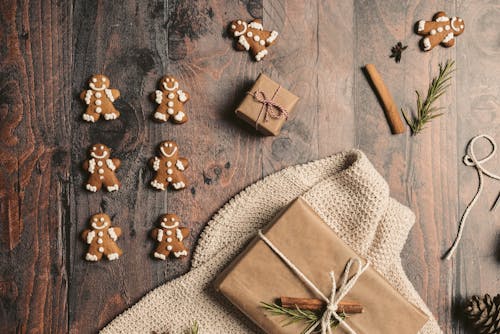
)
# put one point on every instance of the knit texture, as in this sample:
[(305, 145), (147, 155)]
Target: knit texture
[(347, 193)]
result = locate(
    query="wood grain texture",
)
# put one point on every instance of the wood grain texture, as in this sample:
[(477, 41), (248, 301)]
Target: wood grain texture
[(50, 49)]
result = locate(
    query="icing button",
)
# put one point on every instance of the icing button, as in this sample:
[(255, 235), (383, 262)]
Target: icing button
[(169, 248), (170, 111), (169, 239), (100, 233), (171, 95), (98, 94), (99, 163), (98, 102), (101, 249), (169, 232)]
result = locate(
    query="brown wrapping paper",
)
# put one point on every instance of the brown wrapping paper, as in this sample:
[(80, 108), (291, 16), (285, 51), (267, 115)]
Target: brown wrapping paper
[(253, 112), (259, 275)]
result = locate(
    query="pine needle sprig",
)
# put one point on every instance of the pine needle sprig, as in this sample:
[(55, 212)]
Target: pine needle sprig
[(426, 112), (294, 315)]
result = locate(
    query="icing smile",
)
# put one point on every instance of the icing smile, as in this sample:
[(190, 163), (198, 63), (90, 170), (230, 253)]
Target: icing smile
[(241, 32), (103, 87), (169, 226), (97, 227), (168, 155), (176, 86), (103, 155)]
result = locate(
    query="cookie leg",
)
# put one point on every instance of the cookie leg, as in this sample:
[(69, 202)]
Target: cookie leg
[(90, 115), (259, 52), (112, 252), (161, 113), (93, 255), (159, 183), (181, 252), (110, 113), (179, 182), (112, 183), (93, 184), (180, 117), (161, 252)]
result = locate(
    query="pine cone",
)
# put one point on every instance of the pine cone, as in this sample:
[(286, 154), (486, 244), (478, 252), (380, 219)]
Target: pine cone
[(484, 313)]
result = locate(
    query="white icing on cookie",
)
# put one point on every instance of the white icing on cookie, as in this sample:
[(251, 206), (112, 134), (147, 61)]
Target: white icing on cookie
[(110, 164), (88, 118), (171, 96), (453, 26), (427, 44), (179, 185), (249, 34), (156, 163), (169, 248), (182, 96), (168, 155), (442, 19), (100, 249), (440, 29), (261, 55), (99, 241), (243, 41), (242, 32), (180, 116), (110, 116), (113, 188), (159, 237), (256, 25), (179, 165), (91, 166), (97, 156), (421, 25), (170, 103), (178, 234), (273, 36), (170, 111), (170, 171), (157, 185), (160, 256), (90, 237), (113, 256), (447, 27), (98, 102), (109, 94), (448, 38), (91, 188), (98, 110), (158, 96), (178, 254), (160, 116), (88, 95), (169, 179), (90, 257), (256, 38), (112, 234), (262, 42)]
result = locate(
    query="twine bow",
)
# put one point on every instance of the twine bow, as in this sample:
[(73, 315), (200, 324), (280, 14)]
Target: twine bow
[(270, 108), (471, 160), (335, 296)]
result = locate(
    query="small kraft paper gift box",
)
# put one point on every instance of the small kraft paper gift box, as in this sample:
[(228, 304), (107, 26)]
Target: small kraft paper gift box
[(266, 106), (299, 243)]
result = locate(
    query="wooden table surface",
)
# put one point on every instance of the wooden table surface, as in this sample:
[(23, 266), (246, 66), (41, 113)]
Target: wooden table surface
[(49, 49)]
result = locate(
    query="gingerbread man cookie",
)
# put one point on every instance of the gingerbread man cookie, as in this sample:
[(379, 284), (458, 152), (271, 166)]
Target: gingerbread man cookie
[(170, 100), (441, 30), (169, 167), (170, 237), (101, 239), (101, 168), (252, 37), (99, 99)]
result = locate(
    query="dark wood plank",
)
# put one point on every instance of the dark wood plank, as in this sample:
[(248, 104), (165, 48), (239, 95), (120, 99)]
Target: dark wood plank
[(477, 264), (135, 45), (35, 60)]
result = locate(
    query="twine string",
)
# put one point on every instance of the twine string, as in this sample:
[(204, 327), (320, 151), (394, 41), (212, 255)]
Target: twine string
[(471, 160), (346, 285), (270, 108)]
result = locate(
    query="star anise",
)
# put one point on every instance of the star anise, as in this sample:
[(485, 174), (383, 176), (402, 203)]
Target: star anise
[(397, 50)]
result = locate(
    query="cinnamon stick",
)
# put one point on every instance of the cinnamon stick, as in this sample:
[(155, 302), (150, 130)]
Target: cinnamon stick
[(390, 108), (314, 304)]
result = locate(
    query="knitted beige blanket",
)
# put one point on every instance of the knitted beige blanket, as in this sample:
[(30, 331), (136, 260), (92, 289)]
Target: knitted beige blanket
[(344, 189)]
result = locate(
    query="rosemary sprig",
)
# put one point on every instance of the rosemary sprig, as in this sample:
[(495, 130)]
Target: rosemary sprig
[(193, 330), (295, 315), (425, 109)]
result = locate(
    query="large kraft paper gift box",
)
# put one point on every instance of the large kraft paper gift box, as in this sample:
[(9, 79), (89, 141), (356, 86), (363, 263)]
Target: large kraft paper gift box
[(259, 275)]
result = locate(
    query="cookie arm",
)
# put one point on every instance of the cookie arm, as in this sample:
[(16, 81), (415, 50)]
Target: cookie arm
[(116, 162), (182, 163), (82, 95), (449, 43), (155, 163), (184, 231), (85, 165), (182, 96), (118, 231), (115, 93), (256, 24), (154, 233)]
